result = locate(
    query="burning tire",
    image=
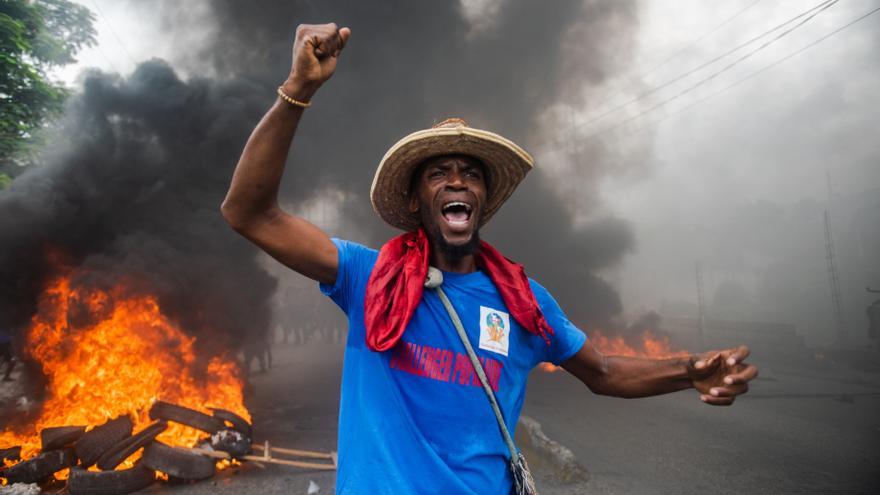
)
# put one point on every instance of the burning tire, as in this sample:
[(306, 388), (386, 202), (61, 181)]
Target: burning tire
[(186, 416), (82, 482), (40, 467), (238, 423), (60, 436), (12, 454), (179, 463), (113, 457), (94, 443)]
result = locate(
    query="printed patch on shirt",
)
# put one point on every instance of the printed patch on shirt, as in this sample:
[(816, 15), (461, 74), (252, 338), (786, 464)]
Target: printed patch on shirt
[(494, 330)]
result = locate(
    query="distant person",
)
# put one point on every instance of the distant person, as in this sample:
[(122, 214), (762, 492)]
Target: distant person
[(286, 330), (413, 418), (874, 318), (261, 350), (6, 355)]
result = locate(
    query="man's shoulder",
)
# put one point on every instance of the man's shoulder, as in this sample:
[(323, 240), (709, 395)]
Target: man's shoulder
[(539, 290), (544, 297), (356, 262), (353, 246), (355, 255)]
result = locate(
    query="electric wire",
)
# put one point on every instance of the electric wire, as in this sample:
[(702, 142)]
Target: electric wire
[(744, 78), (768, 66), (822, 5), (685, 48), (697, 40), (713, 75), (113, 32)]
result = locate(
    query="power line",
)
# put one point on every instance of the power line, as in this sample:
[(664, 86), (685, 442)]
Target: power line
[(757, 72), (698, 39), (109, 61), (714, 74), (686, 47), (824, 4), (113, 32)]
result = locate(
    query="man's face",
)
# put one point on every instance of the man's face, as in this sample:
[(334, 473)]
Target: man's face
[(449, 193)]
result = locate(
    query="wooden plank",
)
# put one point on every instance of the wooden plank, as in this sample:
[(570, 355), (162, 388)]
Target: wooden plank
[(257, 458), (296, 452), (285, 462)]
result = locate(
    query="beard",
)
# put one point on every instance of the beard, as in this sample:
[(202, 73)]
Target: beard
[(451, 252)]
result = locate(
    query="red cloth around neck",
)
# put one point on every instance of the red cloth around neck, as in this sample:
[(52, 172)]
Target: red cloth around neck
[(395, 287)]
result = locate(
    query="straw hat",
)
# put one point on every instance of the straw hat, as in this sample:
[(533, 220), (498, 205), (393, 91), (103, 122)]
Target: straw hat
[(506, 164)]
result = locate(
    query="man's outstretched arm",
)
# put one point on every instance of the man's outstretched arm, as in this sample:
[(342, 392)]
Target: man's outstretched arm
[(719, 376), (251, 205)]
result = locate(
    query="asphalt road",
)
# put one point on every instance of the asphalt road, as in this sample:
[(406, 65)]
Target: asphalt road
[(793, 433), (790, 434), (797, 431)]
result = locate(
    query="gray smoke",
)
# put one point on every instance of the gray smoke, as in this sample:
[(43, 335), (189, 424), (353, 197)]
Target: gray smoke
[(135, 190)]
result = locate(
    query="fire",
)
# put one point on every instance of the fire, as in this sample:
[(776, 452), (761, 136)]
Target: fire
[(615, 345), (650, 345), (125, 356)]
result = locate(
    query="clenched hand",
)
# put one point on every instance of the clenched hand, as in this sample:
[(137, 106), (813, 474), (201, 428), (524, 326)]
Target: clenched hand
[(315, 53)]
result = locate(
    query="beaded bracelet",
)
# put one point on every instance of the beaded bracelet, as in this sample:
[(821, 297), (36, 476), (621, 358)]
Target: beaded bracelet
[(303, 104)]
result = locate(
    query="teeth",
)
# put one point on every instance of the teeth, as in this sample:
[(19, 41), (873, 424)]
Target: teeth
[(457, 203)]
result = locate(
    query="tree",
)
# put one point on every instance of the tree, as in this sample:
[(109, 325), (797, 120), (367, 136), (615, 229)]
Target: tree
[(35, 35)]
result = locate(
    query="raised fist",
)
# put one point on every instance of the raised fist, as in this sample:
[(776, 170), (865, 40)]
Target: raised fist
[(315, 52)]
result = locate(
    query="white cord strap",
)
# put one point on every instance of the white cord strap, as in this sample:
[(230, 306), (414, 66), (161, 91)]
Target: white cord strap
[(524, 483)]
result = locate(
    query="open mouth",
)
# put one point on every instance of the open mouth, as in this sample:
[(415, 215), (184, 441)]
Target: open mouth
[(457, 213)]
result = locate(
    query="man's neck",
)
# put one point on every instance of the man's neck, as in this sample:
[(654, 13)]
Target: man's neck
[(458, 264)]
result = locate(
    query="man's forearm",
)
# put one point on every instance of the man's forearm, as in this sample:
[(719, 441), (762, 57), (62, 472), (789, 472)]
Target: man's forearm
[(254, 188), (719, 376), (631, 377), (643, 377)]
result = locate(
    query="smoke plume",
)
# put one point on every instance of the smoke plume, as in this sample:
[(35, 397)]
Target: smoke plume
[(134, 185), (132, 193)]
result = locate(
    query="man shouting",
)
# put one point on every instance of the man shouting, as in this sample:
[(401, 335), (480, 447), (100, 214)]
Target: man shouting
[(414, 417)]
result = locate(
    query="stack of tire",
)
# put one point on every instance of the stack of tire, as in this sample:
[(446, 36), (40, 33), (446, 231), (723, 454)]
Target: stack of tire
[(108, 445)]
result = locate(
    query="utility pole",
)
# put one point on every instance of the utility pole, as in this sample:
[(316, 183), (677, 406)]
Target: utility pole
[(834, 282), (833, 277), (874, 318), (701, 304)]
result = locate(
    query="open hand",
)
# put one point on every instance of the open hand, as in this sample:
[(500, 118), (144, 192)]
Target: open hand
[(315, 53), (720, 376)]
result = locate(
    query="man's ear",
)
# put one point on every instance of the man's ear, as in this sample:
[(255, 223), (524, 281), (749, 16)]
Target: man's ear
[(413, 203)]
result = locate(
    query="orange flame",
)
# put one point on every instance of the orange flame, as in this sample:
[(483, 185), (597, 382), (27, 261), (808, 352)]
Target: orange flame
[(651, 345), (127, 356), (615, 345)]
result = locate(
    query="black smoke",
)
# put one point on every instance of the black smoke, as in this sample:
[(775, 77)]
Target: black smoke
[(130, 194), (136, 185)]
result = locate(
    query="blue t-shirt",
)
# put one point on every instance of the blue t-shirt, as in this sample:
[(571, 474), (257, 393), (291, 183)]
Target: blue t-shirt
[(414, 419)]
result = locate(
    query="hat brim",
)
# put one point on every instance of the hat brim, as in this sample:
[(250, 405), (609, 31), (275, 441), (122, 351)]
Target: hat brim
[(506, 163)]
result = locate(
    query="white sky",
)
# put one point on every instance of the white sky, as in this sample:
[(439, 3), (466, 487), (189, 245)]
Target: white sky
[(129, 33)]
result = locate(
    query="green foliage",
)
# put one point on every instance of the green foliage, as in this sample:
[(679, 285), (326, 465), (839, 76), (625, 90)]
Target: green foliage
[(35, 35), (5, 180)]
